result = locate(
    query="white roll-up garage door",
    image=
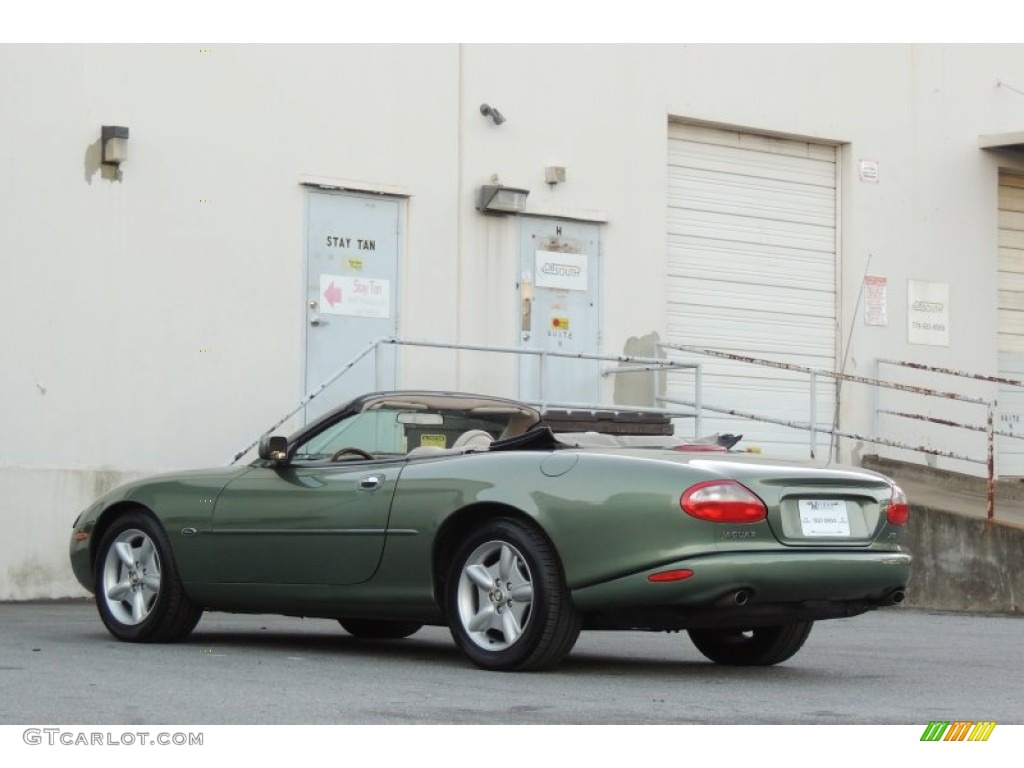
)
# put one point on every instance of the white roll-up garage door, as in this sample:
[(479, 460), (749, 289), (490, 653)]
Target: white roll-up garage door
[(752, 271), (1010, 461)]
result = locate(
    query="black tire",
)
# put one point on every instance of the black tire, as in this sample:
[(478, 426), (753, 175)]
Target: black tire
[(527, 622), (374, 629), (143, 602), (759, 647)]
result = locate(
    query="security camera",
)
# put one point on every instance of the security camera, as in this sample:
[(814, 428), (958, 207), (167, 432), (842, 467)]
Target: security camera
[(491, 112)]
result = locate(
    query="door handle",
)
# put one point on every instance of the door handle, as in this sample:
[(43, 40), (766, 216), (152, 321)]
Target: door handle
[(370, 482)]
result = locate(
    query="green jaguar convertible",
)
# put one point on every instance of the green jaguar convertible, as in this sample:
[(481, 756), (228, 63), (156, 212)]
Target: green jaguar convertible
[(515, 530)]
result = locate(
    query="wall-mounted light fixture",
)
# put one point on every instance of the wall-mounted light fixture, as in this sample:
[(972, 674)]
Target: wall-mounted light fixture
[(114, 140), (554, 174), (494, 198)]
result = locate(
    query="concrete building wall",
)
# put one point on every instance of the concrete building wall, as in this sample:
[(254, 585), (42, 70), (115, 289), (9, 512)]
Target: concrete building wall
[(111, 288)]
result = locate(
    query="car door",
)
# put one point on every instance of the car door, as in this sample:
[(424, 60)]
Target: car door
[(319, 523)]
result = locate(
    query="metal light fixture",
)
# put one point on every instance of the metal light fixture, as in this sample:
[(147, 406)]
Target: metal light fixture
[(114, 140), (494, 198)]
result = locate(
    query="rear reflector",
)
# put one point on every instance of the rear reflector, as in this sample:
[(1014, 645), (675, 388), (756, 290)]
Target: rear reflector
[(677, 575), (898, 510), (723, 501), (81, 536)]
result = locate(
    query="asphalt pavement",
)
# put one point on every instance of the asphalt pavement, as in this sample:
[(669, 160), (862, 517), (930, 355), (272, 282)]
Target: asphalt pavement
[(58, 665)]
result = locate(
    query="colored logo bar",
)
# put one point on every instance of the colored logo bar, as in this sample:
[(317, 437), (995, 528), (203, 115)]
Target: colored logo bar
[(958, 730)]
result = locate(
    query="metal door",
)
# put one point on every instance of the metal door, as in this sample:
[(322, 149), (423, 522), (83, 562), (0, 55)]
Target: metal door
[(352, 293), (1010, 458), (1010, 461), (559, 300)]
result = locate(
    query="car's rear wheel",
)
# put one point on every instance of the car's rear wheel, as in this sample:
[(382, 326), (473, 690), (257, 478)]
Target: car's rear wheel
[(759, 647), (507, 603), (138, 590), (374, 629)]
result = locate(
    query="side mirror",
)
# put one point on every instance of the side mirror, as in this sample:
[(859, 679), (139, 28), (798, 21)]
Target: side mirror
[(273, 447)]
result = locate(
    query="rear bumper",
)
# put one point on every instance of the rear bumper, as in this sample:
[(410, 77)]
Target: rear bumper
[(771, 585)]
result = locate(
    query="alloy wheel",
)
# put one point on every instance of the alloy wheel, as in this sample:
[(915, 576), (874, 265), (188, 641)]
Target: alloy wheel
[(131, 577), (495, 595)]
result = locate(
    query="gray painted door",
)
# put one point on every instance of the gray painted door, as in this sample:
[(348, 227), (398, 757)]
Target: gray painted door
[(1010, 461), (559, 299), (352, 293)]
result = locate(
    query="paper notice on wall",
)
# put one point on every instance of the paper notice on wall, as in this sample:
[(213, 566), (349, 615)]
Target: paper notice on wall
[(876, 302), (868, 171), (928, 313), (355, 296), (567, 271)]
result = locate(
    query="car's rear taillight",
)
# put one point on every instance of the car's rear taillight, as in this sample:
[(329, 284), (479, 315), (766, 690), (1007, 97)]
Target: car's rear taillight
[(723, 501), (898, 510)]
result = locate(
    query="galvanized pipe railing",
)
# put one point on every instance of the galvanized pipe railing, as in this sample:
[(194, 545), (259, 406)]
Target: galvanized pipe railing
[(877, 383), (837, 432), (989, 428), (824, 372), (308, 398), (632, 363), (951, 372)]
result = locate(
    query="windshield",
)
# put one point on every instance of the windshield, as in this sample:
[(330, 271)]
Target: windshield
[(394, 431), (377, 432)]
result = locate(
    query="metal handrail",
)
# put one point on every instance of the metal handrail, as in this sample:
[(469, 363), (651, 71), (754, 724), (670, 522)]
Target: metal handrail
[(988, 428), (636, 364), (949, 372), (824, 372), (377, 345)]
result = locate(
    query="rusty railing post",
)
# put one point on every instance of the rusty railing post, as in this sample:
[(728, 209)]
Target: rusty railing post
[(990, 490)]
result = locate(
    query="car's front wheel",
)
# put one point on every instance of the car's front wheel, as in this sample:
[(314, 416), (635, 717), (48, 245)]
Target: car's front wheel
[(138, 591), (507, 603), (759, 647), (374, 629)]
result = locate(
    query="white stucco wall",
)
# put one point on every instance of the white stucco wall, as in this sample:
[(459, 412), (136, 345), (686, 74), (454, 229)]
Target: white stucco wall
[(109, 289)]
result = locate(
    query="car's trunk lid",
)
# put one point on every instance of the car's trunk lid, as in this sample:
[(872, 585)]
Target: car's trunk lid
[(809, 504)]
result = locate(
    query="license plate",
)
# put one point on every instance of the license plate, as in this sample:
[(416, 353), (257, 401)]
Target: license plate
[(824, 517)]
